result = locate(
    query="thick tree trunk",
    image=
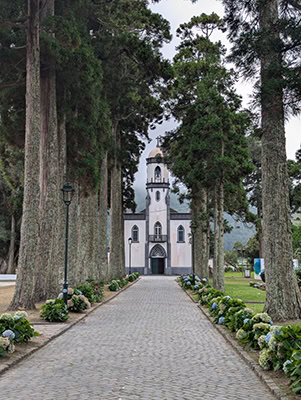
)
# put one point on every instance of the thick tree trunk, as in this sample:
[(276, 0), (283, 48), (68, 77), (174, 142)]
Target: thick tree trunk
[(24, 293), (215, 247), (205, 222), (49, 174), (102, 238), (198, 211), (283, 295), (220, 283), (54, 276), (74, 234), (117, 264), (11, 266)]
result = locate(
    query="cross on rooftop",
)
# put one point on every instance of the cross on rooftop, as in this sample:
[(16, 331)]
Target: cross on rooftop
[(159, 141)]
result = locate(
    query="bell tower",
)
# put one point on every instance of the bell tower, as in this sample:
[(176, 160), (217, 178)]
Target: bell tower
[(157, 214)]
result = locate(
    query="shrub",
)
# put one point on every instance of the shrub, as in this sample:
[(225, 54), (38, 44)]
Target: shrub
[(132, 277), (241, 317), (292, 368), (54, 310), (78, 303), (258, 325), (97, 287), (6, 346), (113, 286), (16, 327), (87, 291)]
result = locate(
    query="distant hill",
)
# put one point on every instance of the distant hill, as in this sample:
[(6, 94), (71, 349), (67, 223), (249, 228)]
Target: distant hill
[(240, 232)]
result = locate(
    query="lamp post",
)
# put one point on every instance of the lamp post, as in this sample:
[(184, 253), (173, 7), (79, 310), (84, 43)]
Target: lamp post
[(130, 240), (192, 253), (68, 192)]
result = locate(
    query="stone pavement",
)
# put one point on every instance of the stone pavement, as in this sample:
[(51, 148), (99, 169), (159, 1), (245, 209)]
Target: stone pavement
[(151, 343)]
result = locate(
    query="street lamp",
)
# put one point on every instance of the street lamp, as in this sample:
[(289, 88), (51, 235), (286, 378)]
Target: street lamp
[(130, 240), (68, 192), (192, 253)]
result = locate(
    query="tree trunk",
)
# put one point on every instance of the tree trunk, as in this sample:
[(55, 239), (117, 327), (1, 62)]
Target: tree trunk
[(205, 222), (24, 293), (197, 216), (102, 237), (11, 266), (283, 295), (215, 247), (117, 263), (54, 276), (49, 174), (220, 283)]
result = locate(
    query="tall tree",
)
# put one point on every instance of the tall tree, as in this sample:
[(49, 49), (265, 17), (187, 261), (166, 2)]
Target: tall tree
[(267, 34), (24, 294), (207, 150)]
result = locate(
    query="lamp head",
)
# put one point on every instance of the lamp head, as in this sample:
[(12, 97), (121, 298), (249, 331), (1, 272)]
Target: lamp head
[(68, 192)]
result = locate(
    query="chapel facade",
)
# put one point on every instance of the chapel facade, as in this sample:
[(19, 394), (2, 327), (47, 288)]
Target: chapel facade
[(157, 239)]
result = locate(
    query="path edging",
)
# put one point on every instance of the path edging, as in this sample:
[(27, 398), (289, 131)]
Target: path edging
[(11, 363)]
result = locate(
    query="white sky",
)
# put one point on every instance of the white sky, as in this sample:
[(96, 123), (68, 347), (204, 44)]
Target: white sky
[(177, 12)]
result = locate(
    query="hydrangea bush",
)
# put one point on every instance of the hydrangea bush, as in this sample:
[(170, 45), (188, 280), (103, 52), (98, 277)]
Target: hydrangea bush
[(78, 302), (54, 310), (16, 327)]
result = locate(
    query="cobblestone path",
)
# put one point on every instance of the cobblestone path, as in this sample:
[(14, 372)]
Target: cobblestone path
[(151, 342)]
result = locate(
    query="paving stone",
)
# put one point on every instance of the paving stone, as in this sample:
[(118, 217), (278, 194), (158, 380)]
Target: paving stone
[(149, 343)]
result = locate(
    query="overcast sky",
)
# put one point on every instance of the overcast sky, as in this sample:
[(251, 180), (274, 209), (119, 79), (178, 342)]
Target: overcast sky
[(177, 12)]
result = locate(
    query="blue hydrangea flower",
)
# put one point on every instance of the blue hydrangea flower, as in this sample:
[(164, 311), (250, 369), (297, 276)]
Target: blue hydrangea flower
[(268, 337), (246, 320), (221, 320), (188, 283), (196, 286), (214, 305), (8, 333), (186, 279), (197, 279)]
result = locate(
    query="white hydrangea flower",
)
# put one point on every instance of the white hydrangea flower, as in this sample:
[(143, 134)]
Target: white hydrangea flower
[(265, 359), (6, 316), (21, 314)]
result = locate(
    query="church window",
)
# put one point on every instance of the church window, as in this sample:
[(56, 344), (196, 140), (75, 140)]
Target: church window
[(158, 228), (181, 234), (157, 195), (135, 233), (157, 174)]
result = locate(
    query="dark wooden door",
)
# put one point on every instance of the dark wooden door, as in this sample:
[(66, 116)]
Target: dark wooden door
[(155, 265), (161, 263)]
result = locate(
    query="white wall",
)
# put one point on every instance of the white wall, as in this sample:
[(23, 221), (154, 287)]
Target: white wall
[(138, 249), (157, 211), (180, 252)]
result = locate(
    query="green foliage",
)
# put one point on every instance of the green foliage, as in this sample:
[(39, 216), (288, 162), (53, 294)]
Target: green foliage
[(97, 287), (78, 303), (19, 325), (209, 146), (250, 41), (88, 292), (293, 370), (113, 286), (54, 310)]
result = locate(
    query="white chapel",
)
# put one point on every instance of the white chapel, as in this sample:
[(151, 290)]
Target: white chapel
[(157, 239)]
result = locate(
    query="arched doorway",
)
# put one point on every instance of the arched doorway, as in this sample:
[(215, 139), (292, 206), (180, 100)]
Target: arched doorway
[(158, 256)]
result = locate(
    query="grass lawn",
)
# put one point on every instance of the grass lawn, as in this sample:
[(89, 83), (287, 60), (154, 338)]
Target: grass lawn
[(238, 287)]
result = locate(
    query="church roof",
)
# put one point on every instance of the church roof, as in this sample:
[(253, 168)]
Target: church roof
[(155, 152)]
